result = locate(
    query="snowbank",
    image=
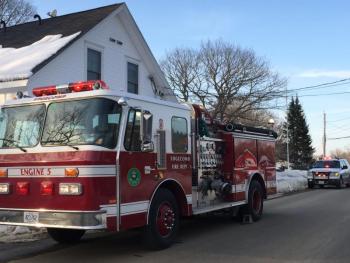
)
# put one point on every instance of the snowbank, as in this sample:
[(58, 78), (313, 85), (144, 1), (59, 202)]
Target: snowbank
[(17, 63), (9, 234), (291, 181)]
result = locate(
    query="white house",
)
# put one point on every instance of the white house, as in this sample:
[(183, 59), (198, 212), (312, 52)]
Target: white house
[(103, 43)]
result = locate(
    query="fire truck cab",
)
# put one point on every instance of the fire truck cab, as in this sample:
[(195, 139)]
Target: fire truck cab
[(80, 157)]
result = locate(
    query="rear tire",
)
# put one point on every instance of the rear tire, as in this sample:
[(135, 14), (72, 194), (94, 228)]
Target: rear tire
[(310, 185), (255, 204), (65, 236), (164, 220)]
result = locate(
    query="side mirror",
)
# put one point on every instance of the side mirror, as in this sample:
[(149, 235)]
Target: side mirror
[(147, 147), (345, 167)]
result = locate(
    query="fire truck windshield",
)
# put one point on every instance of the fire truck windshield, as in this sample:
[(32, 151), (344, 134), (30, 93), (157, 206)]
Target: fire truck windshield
[(82, 122), (21, 126)]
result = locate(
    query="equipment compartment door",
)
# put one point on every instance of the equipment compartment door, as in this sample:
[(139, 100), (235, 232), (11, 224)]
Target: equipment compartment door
[(266, 153)]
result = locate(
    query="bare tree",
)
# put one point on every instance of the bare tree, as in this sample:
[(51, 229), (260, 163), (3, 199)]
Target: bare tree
[(341, 153), (237, 76), (183, 70), (16, 11), (226, 79)]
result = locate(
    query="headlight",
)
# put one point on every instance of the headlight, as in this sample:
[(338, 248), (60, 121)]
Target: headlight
[(4, 188), (335, 174), (70, 189)]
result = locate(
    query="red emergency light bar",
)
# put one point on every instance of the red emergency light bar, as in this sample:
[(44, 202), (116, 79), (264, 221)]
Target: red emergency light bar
[(69, 88)]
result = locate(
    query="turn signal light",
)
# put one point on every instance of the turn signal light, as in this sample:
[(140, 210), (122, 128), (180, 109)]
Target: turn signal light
[(3, 172), (22, 188), (71, 172), (46, 188)]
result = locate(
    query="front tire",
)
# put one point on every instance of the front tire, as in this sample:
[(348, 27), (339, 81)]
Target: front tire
[(255, 204), (65, 236), (340, 184), (164, 220)]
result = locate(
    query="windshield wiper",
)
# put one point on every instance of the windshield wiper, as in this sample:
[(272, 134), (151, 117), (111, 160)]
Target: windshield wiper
[(72, 146), (54, 143), (15, 143)]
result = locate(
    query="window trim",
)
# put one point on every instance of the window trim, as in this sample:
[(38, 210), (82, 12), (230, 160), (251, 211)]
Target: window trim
[(172, 146), (99, 48), (135, 62)]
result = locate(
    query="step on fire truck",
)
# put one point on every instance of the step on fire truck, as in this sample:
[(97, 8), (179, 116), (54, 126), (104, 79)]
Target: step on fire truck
[(82, 157)]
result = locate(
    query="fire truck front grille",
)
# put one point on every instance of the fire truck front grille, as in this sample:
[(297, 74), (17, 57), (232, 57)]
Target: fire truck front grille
[(59, 219)]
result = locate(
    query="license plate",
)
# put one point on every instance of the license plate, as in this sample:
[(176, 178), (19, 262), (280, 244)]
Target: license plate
[(31, 217), (320, 182)]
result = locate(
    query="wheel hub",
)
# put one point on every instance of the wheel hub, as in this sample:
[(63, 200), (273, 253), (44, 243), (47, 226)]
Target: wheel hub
[(165, 219)]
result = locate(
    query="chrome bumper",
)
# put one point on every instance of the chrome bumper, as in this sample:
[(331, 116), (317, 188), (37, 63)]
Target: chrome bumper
[(90, 220)]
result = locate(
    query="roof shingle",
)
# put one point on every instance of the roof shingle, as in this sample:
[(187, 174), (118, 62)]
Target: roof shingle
[(28, 33)]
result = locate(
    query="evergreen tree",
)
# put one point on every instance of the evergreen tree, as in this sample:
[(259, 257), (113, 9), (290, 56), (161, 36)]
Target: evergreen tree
[(300, 143)]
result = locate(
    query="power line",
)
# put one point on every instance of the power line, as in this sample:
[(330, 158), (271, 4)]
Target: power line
[(338, 138), (324, 94), (338, 82), (343, 119)]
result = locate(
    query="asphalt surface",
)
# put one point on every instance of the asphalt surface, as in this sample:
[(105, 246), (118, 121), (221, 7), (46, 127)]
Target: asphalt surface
[(313, 226)]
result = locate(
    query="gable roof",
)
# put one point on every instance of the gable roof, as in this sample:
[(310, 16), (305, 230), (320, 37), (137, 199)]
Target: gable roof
[(26, 34), (66, 25)]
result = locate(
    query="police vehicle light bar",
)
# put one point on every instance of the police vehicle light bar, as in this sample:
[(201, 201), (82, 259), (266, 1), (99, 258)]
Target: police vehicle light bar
[(69, 88)]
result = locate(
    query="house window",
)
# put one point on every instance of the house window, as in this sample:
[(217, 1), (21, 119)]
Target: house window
[(179, 135), (133, 78), (93, 64)]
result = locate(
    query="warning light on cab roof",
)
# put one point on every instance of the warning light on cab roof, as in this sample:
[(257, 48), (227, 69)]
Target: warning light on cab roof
[(70, 88)]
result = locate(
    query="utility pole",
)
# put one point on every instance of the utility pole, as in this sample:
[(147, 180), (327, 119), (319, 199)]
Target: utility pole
[(324, 134), (287, 142)]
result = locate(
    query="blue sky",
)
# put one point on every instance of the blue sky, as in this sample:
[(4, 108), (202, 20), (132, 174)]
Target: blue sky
[(305, 41)]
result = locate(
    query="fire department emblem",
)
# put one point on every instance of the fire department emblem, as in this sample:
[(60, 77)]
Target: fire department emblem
[(134, 177)]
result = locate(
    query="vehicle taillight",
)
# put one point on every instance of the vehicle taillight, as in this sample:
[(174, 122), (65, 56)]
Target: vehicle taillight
[(71, 87), (3, 172), (46, 188), (22, 188)]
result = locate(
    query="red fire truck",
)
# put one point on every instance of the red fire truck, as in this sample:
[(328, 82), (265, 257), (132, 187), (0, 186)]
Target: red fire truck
[(80, 157)]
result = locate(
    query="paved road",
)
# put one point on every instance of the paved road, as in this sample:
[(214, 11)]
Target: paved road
[(308, 227)]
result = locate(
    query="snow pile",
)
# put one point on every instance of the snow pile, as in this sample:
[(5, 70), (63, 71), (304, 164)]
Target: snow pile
[(20, 234), (17, 63), (291, 180)]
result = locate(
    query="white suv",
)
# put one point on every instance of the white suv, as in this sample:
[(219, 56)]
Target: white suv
[(329, 172)]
